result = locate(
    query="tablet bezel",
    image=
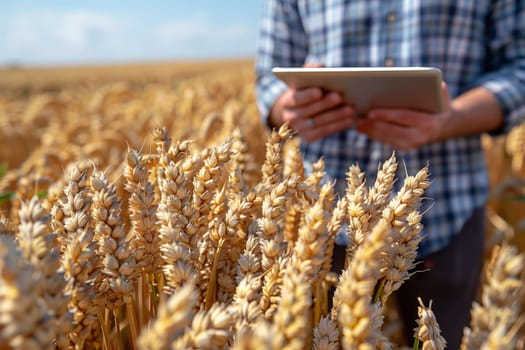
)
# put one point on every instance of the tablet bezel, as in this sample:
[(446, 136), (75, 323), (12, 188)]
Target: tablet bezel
[(416, 88)]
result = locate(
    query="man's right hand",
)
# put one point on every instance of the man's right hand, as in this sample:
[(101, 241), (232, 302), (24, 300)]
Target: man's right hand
[(311, 113)]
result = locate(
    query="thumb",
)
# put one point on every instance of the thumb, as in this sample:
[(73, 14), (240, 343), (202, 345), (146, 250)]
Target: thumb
[(446, 96)]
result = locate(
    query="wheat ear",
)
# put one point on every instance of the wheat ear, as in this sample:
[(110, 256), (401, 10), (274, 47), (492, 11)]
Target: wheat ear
[(144, 232), (402, 215), (310, 247), (118, 264), (270, 224), (357, 215), (210, 177), (243, 163), (502, 292), (38, 246), (80, 261), (245, 305), (142, 212), (316, 176), (233, 247), (209, 329), (25, 322), (272, 167), (72, 211), (6, 226), (176, 237), (360, 318), (216, 238), (427, 331), (246, 299), (402, 255), (293, 163), (271, 289), (380, 193), (172, 320), (292, 320), (326, 335), (259, 336)]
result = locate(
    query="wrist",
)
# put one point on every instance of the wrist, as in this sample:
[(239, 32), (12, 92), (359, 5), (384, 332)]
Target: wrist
[(275, 119), (472, 113), (444, 128)]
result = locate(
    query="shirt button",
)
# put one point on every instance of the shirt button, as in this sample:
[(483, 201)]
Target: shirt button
[(391, 17), (389, 62)]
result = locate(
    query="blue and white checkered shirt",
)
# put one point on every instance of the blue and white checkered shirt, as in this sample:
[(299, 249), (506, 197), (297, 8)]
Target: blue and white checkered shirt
[(473, 42)]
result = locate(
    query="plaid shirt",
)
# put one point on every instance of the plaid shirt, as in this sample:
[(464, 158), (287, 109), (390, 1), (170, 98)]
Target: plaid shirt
[(473, 42)]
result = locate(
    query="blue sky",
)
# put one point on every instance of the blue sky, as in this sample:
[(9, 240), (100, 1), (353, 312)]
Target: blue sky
[(107, 31)]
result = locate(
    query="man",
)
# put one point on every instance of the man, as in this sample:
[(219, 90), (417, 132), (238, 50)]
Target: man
[(479, 45)]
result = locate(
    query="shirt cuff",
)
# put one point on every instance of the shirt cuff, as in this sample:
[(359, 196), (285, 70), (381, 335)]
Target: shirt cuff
[(510, 94)]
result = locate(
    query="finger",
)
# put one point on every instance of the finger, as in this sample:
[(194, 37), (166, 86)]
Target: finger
[(317, 133), (330, 101), (328, 123), (446, 96), (403, 117), (313, 65), (344, 112), (397, 136), (302, 97)]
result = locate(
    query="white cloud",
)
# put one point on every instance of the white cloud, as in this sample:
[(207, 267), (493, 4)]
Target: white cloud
[(88, 36), (199, 34), (60, 35), (197, 28)]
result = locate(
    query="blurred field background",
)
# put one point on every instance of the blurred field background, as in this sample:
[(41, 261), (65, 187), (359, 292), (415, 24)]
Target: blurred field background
[(26, 80), (40, 106)]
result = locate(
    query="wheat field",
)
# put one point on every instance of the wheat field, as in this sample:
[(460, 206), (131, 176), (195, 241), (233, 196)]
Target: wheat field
[(146, 207)]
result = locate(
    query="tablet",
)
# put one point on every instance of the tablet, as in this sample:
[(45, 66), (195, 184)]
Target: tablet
[(378, 87)]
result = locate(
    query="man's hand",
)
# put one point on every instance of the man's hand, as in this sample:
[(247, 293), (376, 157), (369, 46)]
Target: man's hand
[(401, 128), (406, 129), (311, 113)]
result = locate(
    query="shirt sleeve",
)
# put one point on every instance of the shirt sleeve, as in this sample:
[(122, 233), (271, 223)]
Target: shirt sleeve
[(506, 62), (282, 42)]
